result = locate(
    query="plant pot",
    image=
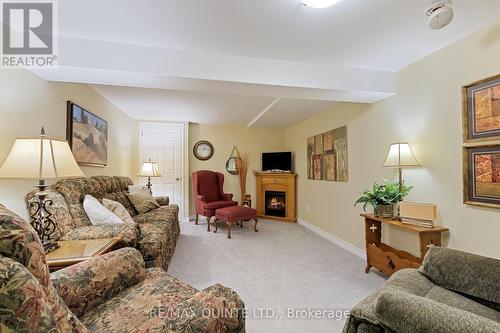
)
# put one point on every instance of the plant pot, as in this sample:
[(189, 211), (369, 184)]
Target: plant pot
[(384, 211)]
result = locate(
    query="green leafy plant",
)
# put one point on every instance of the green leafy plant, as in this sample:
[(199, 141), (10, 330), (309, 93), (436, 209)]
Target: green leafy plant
[(385, 194)]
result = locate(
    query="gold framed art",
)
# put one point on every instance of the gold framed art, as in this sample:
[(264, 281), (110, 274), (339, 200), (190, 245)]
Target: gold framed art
[(481, 142)]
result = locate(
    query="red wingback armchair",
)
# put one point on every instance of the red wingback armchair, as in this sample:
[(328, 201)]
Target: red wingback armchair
[(209, 193)]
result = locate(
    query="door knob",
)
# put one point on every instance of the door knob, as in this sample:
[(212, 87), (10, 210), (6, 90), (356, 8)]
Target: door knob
[(177, 179)]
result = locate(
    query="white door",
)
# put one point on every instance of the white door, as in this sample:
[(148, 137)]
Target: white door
[(164, 143)]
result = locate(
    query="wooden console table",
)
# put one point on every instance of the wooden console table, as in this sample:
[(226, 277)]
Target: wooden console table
[(388, 259)]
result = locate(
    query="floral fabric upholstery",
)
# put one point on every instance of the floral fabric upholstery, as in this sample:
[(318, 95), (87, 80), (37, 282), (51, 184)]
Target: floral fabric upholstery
[(129, 233), (73, 223), (161, 303), (25, 288), (89, 284), (160, 232), (209, 193), (110, 293)]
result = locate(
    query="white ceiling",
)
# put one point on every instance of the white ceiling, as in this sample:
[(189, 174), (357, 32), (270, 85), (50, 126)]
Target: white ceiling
[(228, 59)]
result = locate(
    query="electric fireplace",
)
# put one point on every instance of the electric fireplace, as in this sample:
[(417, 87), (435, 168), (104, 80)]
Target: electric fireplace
[(275, 203)]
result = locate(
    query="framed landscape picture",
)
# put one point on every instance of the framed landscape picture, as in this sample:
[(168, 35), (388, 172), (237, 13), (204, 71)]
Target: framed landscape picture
[(327, 156), (482, 176), (481, 110), (87, 135)]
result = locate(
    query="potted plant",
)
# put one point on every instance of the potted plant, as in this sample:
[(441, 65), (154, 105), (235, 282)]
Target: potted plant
[(384, 197)]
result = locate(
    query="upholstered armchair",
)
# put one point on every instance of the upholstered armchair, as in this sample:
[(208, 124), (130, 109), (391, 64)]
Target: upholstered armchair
[(209, 193)]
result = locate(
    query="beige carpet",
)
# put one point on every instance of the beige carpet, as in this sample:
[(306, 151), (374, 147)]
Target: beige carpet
[(281, 267)]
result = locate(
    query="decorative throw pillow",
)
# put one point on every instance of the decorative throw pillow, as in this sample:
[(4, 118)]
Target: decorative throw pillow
[(117, 208), (97, 213), (143, 201)]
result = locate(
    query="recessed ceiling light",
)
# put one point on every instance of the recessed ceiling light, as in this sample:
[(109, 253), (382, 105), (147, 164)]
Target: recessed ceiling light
[(319, 3)]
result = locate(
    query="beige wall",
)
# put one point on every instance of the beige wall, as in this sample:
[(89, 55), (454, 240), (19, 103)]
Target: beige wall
[(254, 141), (28, 102), (427, 112)]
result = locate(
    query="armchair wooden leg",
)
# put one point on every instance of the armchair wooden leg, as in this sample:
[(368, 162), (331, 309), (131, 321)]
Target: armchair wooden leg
[(255, 226), (208, 222), (196, 220)]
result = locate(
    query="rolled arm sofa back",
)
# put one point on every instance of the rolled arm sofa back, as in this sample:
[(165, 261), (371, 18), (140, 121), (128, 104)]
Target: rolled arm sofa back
[(74, 190), (466, 273)]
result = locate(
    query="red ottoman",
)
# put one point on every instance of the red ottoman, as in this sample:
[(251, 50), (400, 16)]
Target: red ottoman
[(234, 214)]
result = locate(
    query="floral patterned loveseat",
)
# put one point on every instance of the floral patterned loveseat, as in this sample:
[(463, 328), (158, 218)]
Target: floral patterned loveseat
[(154, 233), (110, 293)]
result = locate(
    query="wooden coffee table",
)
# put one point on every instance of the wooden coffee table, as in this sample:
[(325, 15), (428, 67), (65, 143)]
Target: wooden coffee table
[(74, 251)]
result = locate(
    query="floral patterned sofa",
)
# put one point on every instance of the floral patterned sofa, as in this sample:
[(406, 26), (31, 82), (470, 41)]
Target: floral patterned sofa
[(154, 233), (110, 293)]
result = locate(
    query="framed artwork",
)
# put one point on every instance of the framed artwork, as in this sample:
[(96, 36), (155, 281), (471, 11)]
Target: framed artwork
[(481, 110), (482, 175), (327, 156), (87, 135)]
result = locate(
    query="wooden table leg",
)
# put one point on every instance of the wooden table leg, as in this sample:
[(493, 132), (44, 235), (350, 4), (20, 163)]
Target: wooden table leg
[(255, 226), (229, 224)]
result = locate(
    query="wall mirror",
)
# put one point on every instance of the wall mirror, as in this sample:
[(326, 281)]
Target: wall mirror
[(232, 165)]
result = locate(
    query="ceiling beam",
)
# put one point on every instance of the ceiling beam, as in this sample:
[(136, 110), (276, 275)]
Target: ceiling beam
[(263, 112), (151, 67)]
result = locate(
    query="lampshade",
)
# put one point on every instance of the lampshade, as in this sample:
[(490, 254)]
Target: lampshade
[(149, 169), (319, 3), (399, 156), (40, 158)]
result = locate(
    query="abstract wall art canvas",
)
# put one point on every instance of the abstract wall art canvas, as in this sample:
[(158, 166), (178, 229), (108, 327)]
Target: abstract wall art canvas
[(481, 110), (327, 156), (87, 135)]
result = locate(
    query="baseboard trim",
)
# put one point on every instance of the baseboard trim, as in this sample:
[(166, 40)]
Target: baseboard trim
[(337, 241)]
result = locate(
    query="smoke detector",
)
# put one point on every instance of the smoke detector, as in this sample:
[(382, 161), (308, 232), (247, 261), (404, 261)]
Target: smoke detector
[(440, 14)]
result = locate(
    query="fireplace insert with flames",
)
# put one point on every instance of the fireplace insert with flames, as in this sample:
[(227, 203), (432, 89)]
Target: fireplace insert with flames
[(275, 204)]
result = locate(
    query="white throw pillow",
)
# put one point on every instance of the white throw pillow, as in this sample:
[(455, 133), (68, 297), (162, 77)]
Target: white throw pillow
[(97, 213)]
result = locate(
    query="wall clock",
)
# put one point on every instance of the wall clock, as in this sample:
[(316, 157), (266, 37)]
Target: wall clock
[(203, 150)]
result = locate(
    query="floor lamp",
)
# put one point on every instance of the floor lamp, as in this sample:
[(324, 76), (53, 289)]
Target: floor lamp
[(41, 158)]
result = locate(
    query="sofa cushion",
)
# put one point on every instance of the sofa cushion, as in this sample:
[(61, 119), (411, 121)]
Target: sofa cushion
[(143, 201), (220, 204), (162, 303), (117, 208), (458, 301), (164, 213), (462, 272), (404, 312)]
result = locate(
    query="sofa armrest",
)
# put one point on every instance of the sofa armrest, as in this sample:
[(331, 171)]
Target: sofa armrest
[(463, 272), (163, 201), (85, 285), (227, 196), (128, 233), (403, 312), (226, 307)]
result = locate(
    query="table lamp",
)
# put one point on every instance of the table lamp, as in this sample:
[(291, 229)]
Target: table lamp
[(41, 158), (400, 156), (149, 169)]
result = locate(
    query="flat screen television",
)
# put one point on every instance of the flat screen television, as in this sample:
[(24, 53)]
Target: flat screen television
[(277, 161)]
